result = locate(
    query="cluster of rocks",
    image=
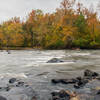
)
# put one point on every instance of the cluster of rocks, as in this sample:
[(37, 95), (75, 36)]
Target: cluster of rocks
[(16, 90), (64, 95), (67, 95), (17, 87), (78, 82)]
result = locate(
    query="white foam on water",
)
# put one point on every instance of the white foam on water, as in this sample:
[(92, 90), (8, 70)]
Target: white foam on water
[(45, 76), (81, 54), (38, 63), (31, 64), (70, 62), (19, 75), (39, 60)]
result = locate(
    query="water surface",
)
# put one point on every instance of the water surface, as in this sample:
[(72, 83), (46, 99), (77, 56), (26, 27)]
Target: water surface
[(31, 66)]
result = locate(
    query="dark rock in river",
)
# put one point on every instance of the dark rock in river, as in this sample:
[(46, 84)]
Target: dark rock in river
[(56, 81), (90, 74), (68, 81), (5, 88), (98, 92), (81, 82), (12, 80), (2, 98), (64, 95), (55, 60), (97, 96), (64, 81), (20, 84)]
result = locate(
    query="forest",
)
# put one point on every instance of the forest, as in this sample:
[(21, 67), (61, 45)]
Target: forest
[(72, 25)]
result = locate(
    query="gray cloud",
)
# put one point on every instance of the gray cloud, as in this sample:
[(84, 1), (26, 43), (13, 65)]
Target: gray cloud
[(11, 8)]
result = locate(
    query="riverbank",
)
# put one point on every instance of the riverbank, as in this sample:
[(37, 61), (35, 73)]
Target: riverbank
[(40, 48), (21, 48)]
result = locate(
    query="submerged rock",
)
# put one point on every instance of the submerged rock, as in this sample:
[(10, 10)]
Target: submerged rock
[(44, 73), (8, 52), (97, 96), (34, 98), (98, 92), (2, 98), (55, 60), (5, 88)]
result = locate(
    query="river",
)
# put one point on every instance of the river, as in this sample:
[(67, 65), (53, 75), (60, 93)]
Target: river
[(31, 66)]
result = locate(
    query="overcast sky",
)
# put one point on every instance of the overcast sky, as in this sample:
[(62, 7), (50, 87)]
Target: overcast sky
[(21, 8)]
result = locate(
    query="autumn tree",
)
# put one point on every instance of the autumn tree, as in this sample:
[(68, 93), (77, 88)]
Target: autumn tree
[(13, 32), (67, 5), (67, 27)]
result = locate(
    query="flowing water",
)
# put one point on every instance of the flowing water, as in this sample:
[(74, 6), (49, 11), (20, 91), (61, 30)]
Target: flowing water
[(31, 66)]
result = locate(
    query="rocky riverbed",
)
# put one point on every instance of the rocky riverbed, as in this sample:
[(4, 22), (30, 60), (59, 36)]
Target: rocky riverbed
[(27, 75), (81, 88), (79, 83)]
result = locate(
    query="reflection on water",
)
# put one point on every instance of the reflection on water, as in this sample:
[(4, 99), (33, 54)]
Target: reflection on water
[(32, 66)]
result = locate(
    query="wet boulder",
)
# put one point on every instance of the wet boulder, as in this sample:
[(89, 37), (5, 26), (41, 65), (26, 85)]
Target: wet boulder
[(12, 80), (55, 81), (68, 81), (77, 82), (55, 60), (81, 82), (64, 95), (64, 81), (90, 74), (98, 92), (20, 84)]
